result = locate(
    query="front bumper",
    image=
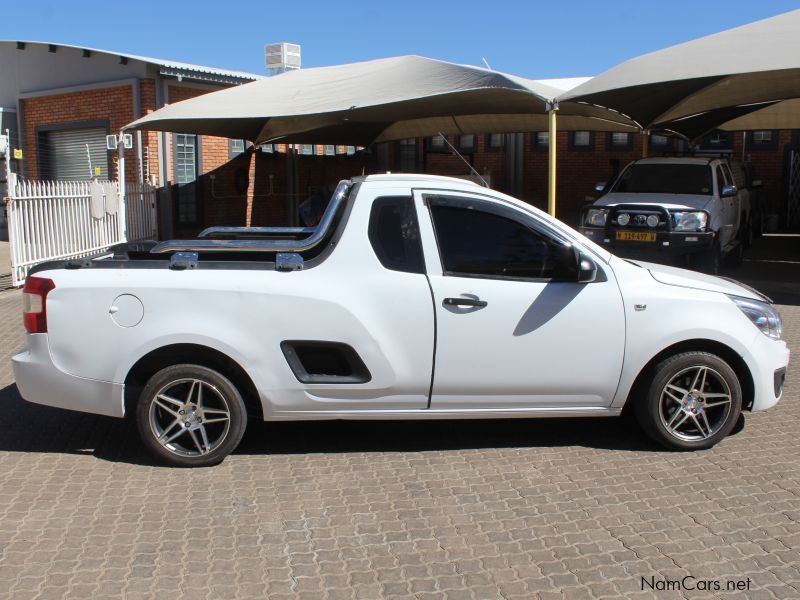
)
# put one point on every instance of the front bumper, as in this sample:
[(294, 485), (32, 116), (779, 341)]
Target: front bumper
[(41, 382), (667, 246), (768, 361)]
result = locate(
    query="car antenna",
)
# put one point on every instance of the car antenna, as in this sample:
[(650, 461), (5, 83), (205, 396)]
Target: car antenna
[(466, 162)]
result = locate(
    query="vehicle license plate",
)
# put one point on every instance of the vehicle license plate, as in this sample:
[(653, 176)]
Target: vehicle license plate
[(636, 236)]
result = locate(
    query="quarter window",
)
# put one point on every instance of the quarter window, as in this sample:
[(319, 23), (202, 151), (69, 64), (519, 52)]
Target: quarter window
[(477, 243), (394, 234)]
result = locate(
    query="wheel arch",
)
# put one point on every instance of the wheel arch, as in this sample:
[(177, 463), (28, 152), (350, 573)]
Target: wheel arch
[(726, 353), (175, 354)]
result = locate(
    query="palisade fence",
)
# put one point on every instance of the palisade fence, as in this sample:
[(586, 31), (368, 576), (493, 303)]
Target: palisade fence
[(52, 220)]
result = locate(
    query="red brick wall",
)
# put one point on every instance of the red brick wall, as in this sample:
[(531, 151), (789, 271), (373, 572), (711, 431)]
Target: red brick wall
[(112, 104), (151, 166)]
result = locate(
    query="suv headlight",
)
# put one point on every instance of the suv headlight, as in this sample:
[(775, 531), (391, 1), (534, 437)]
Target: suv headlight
[(689, 221), (763, 316), (595, 217)]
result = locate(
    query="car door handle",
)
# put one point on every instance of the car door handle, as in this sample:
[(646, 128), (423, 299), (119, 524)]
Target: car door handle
[(465, 302)]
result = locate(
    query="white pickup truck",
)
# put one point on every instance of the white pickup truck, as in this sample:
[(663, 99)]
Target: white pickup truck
[(416, 297), (686, 210)]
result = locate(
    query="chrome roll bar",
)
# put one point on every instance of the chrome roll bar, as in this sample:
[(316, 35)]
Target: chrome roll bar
[(317, 234), (224, 230)]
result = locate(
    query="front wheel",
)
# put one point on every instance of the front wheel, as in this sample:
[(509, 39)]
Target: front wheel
[(693, 402), (190, 416)]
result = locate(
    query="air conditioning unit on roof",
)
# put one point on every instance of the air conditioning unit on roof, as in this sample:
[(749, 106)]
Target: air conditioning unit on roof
[(282, 57)]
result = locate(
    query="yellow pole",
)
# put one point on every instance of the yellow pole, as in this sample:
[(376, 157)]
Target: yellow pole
[(551, 154), (645, 143)]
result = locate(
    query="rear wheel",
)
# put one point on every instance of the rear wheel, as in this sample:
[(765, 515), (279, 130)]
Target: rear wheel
[(693, 402), (190, 416)]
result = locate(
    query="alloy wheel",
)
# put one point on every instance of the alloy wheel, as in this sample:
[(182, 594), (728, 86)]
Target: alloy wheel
[(695, 403), (189, 417)]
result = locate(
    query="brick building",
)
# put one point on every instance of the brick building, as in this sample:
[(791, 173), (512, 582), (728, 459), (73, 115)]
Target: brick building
[(59, 102)]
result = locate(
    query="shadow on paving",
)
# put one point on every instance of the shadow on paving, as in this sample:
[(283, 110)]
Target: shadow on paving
[(27, 427)]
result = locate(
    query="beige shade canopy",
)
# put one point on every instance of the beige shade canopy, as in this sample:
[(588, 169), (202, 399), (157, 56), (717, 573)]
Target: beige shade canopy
[(378, 100), (706, 83)]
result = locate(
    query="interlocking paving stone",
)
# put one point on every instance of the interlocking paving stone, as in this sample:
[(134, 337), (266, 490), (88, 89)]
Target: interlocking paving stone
[(479, 510)]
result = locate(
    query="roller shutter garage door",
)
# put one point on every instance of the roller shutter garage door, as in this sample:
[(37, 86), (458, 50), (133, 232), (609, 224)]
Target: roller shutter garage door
[(63, 154)]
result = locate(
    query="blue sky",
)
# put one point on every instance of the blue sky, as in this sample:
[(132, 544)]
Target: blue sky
[(535, 38)]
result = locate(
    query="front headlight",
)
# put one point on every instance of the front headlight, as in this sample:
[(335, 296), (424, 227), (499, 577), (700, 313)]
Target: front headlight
[(763, 316), (689, 221), (596, 217)]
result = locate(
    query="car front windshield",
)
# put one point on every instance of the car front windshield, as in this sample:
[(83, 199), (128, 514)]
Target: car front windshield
[(665, 178)]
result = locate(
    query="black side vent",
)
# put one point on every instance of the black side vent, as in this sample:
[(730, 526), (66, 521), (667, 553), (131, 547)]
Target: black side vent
[(324, 362)]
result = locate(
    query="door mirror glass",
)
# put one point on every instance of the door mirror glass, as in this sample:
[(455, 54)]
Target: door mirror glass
[(728, 190)]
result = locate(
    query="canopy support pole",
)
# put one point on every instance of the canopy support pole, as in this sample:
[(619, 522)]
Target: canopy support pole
[(552, 109), (645, 142)]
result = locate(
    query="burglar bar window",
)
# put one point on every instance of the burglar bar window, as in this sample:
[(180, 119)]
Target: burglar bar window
[(495, 141), (307, 149), (466, 143), (349, 150), (406, 158), (542, 139), (718, 140), (437, 143), (268, 148), (235, 148), (581, 140), (330, 150), (659, 141), (186, 177), (762, 140), (620, 140), (759, 137)]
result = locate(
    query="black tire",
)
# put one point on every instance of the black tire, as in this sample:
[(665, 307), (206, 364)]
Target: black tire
[(710, 260), (198, 413), (699, 420)]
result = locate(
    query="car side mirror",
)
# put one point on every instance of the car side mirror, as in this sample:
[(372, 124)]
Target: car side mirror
[(599, 187), (587, 269), (728, 190), (574, 265)]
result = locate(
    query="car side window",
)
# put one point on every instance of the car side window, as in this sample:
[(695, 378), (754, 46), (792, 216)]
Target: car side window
[(728, 175), (479, 243), (721, 181), (394, 234)]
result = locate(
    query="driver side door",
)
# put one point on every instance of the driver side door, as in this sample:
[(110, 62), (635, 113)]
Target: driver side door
[(509, 334)]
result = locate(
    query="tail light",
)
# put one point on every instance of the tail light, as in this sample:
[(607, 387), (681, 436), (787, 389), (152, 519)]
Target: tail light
[(34, 303)]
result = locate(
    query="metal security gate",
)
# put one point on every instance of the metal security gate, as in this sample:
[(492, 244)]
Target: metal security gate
[(52, 220)]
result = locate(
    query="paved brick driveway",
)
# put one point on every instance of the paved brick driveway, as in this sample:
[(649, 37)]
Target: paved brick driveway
[(581, 509)]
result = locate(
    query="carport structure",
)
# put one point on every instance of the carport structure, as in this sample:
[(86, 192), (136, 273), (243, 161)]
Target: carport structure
[(383, 100), (743, 78), (739, 79)]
